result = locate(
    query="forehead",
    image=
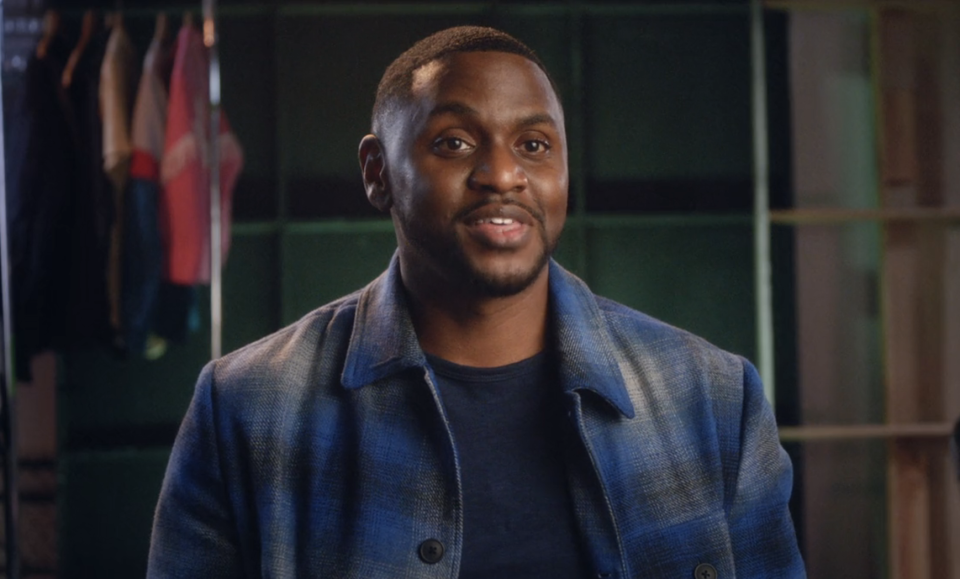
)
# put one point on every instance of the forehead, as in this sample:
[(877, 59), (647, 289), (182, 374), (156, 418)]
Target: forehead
[(498, 82)]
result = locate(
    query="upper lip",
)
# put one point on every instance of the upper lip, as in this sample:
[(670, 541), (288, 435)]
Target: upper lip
[(507, 209)]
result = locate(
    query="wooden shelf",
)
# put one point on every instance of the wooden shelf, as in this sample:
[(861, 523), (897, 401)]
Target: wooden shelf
[(950, 215), (834, 5), (590, 220), (865, 432), (556, 8)]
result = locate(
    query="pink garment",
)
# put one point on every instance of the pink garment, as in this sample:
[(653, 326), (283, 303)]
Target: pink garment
[(185, 193)]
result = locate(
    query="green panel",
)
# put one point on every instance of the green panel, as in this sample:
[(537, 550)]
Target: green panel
[(106, 509), (667, 274), (104, 393), (668, 97), (321, 266), (568, 252), (549, 37), (697, 277), (249, 100), (352, 255), (251, 290), (326, 88), (327, 80)]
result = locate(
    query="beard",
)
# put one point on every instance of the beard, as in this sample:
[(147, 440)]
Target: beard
[(447, 255), (498, 285)]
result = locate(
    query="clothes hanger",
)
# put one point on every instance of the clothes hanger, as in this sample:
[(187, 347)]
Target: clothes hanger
[(115, 18), (160, 30), (87, 29), (51, 28)]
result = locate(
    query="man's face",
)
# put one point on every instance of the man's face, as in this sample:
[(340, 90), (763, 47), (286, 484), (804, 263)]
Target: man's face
[(477, 170)]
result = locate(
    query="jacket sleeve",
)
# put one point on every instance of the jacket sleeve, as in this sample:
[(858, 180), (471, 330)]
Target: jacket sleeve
[(761, 530), (194, 535)]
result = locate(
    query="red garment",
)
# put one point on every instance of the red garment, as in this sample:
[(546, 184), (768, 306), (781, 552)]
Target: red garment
[(185, 195)]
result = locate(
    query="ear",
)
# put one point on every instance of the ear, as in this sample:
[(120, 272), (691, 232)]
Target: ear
[(373, 169)]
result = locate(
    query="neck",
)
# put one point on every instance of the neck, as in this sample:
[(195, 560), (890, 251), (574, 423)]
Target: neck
[(481, 331)]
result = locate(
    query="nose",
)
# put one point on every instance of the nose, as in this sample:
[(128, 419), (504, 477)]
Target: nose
[(498, 170)]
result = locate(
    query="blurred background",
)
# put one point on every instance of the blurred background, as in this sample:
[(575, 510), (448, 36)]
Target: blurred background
[(671, 212)]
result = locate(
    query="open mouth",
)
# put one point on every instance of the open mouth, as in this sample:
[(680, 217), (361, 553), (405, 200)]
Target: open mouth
[(498, 231), (502, 214), (496, 221)]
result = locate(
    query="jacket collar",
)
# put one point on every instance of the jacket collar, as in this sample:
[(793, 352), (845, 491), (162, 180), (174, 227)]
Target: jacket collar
[(586, 352), (383, 341)]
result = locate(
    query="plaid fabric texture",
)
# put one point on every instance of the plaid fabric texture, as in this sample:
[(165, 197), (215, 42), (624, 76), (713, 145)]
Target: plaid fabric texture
[(323, 451)]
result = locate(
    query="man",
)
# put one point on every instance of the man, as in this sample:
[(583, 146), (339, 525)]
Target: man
[(475, 411)]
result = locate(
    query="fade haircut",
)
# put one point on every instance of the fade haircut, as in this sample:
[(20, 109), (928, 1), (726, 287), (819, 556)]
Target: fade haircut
[(397, 81)]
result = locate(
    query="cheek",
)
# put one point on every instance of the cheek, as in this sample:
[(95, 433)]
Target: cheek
[(410, 190), (556, 208), (554, 192), (424, 206), (441, 187)]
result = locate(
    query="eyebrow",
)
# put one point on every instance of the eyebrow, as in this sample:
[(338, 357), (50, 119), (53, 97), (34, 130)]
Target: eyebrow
[(459, 108), (453, 107), (537, 119)]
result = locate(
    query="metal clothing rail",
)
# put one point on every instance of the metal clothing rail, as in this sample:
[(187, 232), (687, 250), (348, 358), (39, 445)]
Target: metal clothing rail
[(8, 381), (210, 38), (761, 196), (761, 209)]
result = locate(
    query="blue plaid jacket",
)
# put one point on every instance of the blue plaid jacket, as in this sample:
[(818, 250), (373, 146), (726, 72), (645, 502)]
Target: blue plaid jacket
[(323, 451)]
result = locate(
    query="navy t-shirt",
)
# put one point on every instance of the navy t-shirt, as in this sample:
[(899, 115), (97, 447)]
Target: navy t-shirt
[(508, 429)]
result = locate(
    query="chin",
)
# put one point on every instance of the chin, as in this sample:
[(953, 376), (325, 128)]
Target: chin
[(501, 284)]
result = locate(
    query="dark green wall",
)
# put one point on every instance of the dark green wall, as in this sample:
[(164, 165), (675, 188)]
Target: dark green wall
[(657, 99)]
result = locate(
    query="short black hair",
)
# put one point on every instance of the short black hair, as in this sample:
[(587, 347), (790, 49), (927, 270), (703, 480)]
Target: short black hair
[(397, 81)]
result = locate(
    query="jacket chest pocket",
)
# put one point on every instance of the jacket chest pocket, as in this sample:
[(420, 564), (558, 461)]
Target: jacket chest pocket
[(695, 549)]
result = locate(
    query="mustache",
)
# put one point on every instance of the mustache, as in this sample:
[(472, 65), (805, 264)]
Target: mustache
[(534, 212)]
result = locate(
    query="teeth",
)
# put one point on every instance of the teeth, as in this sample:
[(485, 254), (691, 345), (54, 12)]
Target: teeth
[(492, 220)]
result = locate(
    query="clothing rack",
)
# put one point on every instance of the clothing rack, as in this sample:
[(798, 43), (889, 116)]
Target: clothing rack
[(210, 39), (8, 427)]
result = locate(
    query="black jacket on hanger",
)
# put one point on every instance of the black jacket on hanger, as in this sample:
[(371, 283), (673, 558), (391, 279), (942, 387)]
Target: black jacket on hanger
[(56, 210)]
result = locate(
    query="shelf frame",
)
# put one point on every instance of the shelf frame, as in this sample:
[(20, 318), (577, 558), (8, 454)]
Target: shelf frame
[(825, 216), (836, 433)]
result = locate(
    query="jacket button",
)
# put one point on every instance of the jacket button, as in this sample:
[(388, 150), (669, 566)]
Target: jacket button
[(431, 551), (705, 571)]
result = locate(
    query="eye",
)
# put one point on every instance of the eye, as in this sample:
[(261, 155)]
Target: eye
[(535, 146), (451, 145)]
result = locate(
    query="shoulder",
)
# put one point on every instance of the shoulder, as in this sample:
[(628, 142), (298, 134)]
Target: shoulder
[(637, 334), (685, 389), (633, 330), (660, 361), (308, 351), (656, 360)]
